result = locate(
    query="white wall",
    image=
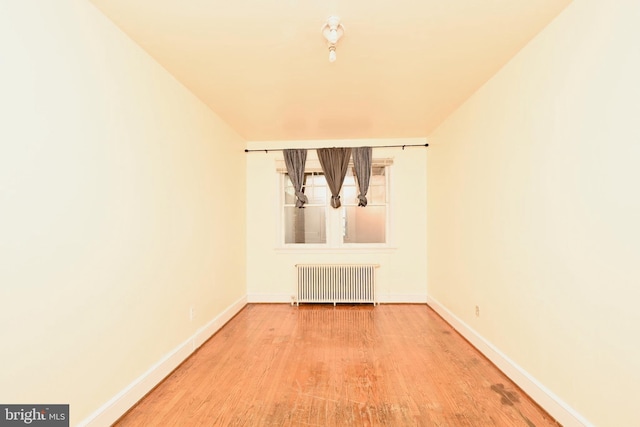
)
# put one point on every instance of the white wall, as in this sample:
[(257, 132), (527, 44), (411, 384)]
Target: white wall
[(122, 204), (402, 273), (534, 210)]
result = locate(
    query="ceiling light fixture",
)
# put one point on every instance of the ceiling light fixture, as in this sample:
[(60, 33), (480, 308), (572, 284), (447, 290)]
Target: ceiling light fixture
[(332, 30)]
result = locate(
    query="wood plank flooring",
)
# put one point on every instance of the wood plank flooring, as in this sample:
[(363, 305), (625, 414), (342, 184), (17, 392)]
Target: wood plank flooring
[(316, 365)]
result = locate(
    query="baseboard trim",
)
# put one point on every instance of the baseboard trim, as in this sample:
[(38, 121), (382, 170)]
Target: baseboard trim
[(544, 397), (117, 406), (383, 299)]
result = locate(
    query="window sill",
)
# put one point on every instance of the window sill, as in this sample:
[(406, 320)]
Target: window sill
[(324, 249)]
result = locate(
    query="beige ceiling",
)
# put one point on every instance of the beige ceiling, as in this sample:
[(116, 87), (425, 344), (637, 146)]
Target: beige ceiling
[(262, 65)]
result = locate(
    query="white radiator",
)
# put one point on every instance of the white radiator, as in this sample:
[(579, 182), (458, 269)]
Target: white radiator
[(336, 283)]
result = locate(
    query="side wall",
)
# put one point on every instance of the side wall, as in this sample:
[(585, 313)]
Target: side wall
[(402, 273), (534, 207), (122, 206)]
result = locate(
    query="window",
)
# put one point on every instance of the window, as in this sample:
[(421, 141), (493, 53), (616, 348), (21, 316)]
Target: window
[(368, 224), (306, 225), (350, 225)]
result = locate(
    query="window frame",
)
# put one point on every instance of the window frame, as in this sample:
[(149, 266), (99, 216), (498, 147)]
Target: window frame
[(333, 217)]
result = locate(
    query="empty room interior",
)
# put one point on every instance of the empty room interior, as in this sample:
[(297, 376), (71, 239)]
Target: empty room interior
[(146, 201)]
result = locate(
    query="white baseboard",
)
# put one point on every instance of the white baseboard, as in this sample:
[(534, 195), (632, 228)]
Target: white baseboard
[(383, 299), (117, 406), (551, 403)]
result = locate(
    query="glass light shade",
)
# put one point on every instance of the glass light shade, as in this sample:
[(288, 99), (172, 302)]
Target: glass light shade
[(333, 35)]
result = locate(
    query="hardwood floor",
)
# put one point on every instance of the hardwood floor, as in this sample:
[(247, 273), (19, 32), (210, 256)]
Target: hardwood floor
[(392, 365)]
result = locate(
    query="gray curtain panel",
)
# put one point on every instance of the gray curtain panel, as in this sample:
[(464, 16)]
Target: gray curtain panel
[(334, 163), (362, 165), (295, 161)]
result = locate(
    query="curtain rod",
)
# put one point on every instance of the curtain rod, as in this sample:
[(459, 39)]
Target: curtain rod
[(377, 146)]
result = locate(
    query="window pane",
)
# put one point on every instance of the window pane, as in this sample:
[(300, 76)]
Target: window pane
[(376, 194), (364, 224), (315, 180), (289, 196), (316, 194), (377, 179), (349, 195), (322, 194), (305, 225)]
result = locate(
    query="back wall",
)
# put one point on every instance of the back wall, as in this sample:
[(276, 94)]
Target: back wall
[(402, 274)]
